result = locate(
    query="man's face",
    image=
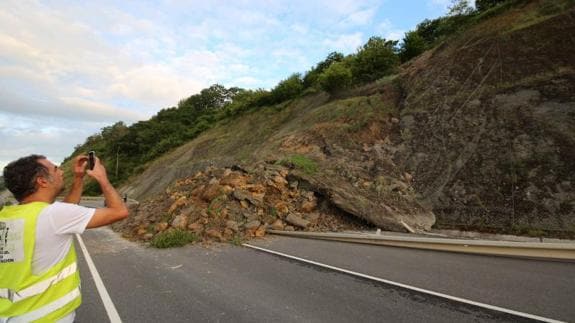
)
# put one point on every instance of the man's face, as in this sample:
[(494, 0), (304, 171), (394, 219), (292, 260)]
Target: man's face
[(56, 178)]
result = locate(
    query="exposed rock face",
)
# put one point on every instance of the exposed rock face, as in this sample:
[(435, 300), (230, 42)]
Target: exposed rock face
[(488, 128)]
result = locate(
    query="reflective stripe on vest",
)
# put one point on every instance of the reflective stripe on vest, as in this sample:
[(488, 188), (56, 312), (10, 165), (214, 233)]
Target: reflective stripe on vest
[(45, 310), (37, 288)]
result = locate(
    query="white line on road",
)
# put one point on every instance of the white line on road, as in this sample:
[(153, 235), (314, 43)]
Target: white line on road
[(417, 289), (108, 304)]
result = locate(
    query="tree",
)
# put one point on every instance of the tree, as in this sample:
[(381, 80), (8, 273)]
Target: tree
[(412, 45), (288, 88), (430, 30), (336, 77), (114, 132), (375, 59), (213, 98), (459, 8), (311, 77)]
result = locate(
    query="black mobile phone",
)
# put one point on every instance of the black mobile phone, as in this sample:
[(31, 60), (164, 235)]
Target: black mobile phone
[(91, 159)]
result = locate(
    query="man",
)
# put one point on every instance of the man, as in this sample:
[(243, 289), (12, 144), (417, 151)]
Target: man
[(39, 278)]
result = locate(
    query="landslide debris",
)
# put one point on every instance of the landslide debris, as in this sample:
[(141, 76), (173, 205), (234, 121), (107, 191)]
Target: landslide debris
[(232, 204)]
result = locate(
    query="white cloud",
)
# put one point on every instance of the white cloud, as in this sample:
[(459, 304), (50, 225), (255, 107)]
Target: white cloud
[(299, 28), (359, 18), (72, 108), (154, 85), (387, 30), (441, 3), (345, 43), (245, 82), (22, 136)]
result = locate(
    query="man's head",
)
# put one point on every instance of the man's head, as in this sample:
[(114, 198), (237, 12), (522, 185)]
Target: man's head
[(32, 175)]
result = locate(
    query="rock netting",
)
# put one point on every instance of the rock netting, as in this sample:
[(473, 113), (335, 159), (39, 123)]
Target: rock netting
[(225, 204)]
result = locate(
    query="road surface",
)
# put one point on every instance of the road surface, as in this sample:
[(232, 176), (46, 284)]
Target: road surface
[(225, 283)]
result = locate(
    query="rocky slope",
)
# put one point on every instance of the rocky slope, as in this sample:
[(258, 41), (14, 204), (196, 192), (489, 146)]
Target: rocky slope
[(488, 124), (475, 134)]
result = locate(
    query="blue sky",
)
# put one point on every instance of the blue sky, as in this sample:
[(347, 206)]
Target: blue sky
[(69, 68)]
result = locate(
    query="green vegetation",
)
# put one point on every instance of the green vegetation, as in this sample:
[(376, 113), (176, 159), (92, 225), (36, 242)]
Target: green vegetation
[(335, 78), (216, 205), (287, 89), (173, 238), (413, 45), (236, 240), (377, 58), (301, 162), (311, 77)]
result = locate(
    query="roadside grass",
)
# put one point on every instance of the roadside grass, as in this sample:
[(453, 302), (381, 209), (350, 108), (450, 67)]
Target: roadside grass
[(301, 162), (173, 238), (236, 240)]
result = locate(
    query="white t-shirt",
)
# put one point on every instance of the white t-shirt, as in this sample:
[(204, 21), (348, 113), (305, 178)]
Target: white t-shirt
[(55, 229)]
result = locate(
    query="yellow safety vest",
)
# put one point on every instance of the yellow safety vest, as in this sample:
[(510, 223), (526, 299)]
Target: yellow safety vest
[(25, 297)]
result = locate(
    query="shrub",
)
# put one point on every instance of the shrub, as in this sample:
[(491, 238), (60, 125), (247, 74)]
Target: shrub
[(374, 60), (288, 88), (413, 45), (173, 238), (236, 240), (336, 77), (311, 77)]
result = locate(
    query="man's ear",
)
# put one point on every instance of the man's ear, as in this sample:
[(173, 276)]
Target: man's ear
[(41, 181)]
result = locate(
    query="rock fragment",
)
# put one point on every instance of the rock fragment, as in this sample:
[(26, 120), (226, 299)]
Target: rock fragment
[(297, 220)]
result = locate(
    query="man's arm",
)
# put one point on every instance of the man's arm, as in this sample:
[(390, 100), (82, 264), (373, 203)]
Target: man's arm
[(75, 193), (115, 209)]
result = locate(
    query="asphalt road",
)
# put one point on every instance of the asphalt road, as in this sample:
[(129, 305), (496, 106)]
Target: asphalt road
[(224, 283)]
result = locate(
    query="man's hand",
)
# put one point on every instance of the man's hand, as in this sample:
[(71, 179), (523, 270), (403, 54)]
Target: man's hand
[(79, 166), (115, 209), (99, 171)]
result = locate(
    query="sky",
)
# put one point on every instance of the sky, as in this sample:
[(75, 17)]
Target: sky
[(69, 68)]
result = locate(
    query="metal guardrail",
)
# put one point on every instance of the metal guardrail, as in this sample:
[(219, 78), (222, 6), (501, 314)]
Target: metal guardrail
[(541, 250)]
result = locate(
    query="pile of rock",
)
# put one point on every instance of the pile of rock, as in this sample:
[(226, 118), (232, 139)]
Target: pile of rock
[(231, 204)]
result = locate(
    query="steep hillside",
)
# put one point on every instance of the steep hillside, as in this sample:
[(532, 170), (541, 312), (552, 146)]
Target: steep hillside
[(347, 141), (476, 134), (488, 124)]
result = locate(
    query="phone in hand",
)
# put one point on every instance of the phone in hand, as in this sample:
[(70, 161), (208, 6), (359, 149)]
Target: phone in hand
[(91, 159)]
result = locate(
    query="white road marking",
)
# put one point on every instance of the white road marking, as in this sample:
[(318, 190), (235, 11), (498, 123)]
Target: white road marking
[(417, 289), (108, 304)]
